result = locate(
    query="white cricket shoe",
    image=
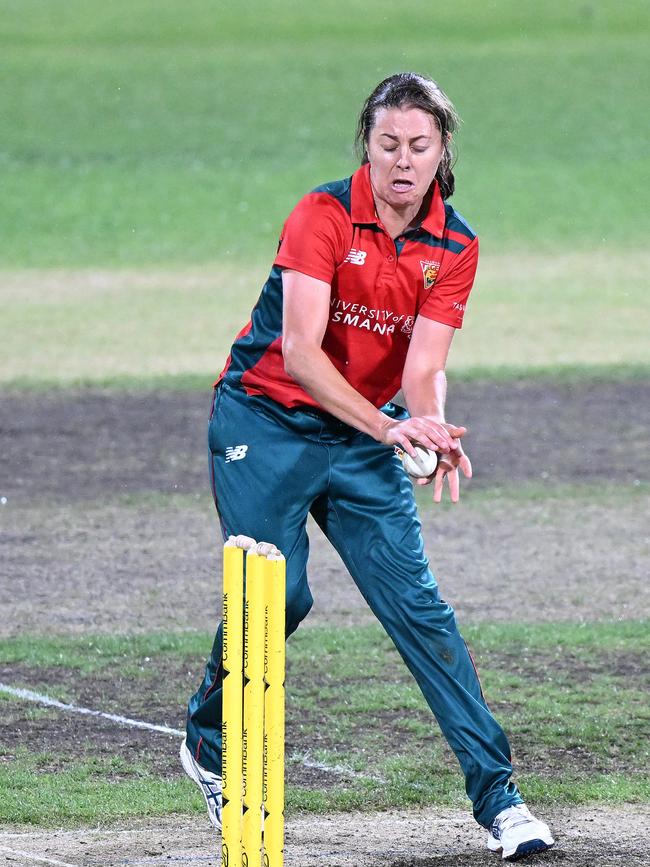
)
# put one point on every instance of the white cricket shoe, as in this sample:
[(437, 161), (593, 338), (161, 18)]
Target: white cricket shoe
[(515, 832), (209, 783)]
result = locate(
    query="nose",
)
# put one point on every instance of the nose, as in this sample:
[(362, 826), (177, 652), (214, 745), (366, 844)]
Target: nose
[(404, 158)]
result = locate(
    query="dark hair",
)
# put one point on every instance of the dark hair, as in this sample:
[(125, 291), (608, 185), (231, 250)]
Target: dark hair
[(408, 89)]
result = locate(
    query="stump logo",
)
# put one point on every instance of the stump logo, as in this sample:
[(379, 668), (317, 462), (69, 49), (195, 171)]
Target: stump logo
[(429, 272)]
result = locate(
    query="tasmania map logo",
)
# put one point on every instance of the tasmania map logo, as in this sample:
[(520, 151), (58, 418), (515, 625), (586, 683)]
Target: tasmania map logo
[(429, 273)]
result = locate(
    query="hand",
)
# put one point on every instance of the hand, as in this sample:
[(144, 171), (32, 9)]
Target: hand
[(448, 466), (438, 436)]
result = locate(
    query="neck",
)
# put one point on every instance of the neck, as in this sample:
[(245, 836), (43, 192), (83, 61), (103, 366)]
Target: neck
[(398, 220)]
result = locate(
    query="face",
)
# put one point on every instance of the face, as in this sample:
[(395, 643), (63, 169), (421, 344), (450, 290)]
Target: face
[(404, 150)]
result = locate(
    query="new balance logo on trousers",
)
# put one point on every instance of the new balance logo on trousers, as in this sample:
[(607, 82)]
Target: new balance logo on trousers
[(235, 453)]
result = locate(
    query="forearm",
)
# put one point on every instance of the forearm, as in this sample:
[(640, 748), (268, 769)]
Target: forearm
[(425, 395), (314, 371)]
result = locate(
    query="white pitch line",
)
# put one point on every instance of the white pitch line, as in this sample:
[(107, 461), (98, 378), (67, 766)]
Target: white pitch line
[(7, 835), (40, 858), (306, 762), (37, 697), (28, 695)]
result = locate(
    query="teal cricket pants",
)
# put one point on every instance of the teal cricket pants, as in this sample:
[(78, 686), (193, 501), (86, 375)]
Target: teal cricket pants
[(270, 468)]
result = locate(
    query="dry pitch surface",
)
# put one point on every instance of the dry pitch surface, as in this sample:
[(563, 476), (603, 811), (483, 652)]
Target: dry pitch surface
[(596, 837), (82, 559), (72, 549)]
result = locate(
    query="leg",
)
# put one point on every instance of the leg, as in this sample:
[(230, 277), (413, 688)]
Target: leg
[(262, 495), (370, 517)]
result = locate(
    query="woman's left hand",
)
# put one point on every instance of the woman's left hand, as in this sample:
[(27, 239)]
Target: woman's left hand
[(448, 466)]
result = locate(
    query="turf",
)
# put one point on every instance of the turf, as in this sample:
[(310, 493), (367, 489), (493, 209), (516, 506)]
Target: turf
[(571, 697), (85, 792), (157, 132), (151, 151), (139, 327)]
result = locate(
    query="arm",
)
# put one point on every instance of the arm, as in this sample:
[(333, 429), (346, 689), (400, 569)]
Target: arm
[(305, 361), (424, 382), (424, 385)]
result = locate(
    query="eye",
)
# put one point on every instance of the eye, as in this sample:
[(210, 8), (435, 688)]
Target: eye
[(419, 150)]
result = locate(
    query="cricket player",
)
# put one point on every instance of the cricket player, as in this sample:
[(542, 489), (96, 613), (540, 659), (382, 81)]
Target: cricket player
[(369, 284)]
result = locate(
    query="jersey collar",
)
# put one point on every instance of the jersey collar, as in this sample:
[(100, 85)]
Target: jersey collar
[(362, 208)]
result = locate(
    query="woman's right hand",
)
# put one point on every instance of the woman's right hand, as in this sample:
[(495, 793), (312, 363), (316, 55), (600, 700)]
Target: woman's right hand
[(434, 435)]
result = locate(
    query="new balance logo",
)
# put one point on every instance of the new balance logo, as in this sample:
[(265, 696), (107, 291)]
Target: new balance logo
[(356, 257), (235, 453)]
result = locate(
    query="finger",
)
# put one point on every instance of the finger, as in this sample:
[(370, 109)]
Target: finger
[(454, 485), (438, 484), (433, 441), (466, 466), (405, 443), (433, 436), (425, 481), (455, 431), (440, 444)]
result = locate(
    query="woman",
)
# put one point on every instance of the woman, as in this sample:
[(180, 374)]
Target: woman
[(368, 286)]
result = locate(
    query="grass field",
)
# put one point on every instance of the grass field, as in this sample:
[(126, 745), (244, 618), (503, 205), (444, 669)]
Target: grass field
[(577, 311), (147, 133), (144, 137), (593, 706), (150, 152)]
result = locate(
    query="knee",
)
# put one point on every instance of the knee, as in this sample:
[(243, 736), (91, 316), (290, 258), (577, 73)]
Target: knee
[(420, 606)]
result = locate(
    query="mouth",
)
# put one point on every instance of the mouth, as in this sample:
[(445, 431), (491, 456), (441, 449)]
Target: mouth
[(402, 185)]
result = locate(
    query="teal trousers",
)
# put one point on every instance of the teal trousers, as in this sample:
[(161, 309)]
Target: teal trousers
[(270, 468)]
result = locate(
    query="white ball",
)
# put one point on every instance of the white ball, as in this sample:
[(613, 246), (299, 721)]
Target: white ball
[(421, 466)]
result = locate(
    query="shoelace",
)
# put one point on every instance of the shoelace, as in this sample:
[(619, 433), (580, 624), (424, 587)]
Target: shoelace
[(512, 819)]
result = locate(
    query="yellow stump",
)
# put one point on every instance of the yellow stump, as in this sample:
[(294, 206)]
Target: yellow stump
[(253, 746), (274, 668), (253, 704), (233, 655)]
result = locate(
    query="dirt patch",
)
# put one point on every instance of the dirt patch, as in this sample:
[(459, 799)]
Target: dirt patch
[(66, 446), (153, 694), (617, 664), (63, 738), (88, 568), (588, 837), (109, 524)]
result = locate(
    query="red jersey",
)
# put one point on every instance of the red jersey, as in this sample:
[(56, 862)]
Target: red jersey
[(378, 287)]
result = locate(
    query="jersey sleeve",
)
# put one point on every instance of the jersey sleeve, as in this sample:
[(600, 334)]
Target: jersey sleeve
[(447, 300), (313, 239)]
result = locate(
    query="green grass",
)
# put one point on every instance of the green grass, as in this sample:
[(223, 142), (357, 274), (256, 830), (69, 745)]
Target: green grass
[(598, 716), (158, 132), (86, 792), (576, 374), (93, 654), (571, 696), (152, 150), (137, 328)]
